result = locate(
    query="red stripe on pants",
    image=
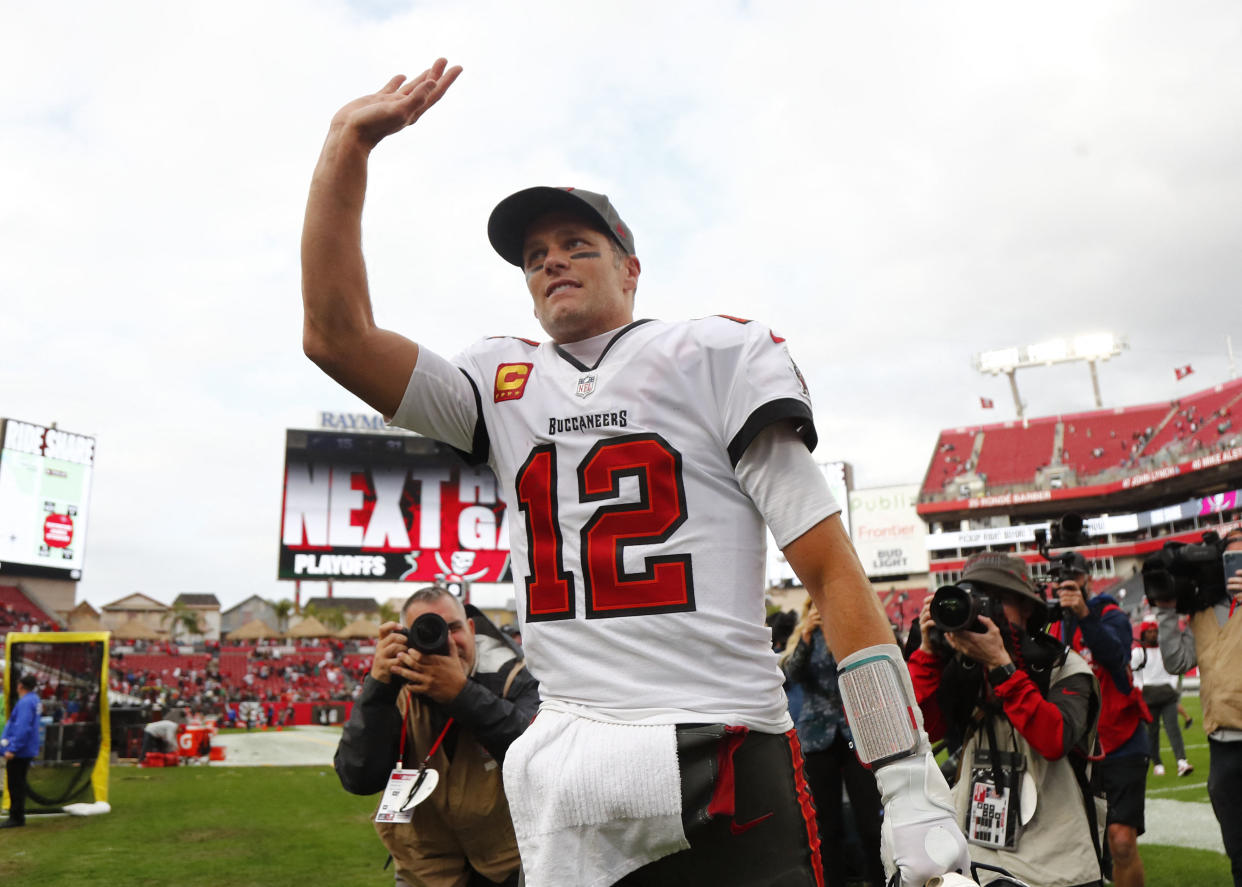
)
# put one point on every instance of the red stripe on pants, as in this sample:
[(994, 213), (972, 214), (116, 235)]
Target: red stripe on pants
[(806, 805)]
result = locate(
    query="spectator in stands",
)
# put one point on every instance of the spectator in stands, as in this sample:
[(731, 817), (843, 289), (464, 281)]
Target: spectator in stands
[(477, 700), (828, 754), (1214, 644), (20, 744), (1101, 633), (1161, 692), (1026, 706)]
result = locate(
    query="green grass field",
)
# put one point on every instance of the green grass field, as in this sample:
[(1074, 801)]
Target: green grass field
[(206, 827), (275, 826)]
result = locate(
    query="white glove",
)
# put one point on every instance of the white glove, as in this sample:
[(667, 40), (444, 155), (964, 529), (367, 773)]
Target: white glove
[(920, 837)]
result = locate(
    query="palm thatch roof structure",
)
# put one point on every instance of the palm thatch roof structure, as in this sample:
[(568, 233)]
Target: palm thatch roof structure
[(134, 629), (310, 627), (359, 628), (254, 630)]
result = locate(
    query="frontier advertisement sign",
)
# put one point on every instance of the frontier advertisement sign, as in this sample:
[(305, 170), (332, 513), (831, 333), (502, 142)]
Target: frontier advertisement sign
[(368, 507), (888, 534), (45, 483)]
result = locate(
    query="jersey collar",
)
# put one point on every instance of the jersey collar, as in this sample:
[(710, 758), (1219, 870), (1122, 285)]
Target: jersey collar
[(615, 337)]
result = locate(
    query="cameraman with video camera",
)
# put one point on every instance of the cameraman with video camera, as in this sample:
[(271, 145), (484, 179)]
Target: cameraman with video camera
[(437, 714), (1025, 709), (1100, 631), (1188, 580)]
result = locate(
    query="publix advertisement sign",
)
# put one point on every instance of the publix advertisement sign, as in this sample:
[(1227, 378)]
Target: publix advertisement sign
[(887, 532)]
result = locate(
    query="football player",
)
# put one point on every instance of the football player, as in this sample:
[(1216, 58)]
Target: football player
[(640, 461)]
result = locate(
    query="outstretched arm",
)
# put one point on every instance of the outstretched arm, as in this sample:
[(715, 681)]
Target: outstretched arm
[(339, 332)]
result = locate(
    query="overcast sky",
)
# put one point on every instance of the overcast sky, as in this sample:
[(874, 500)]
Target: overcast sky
[(892, 186)]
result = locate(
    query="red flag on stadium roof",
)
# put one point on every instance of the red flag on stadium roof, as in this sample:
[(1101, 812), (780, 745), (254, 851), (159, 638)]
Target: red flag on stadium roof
[(986, 403), (1183, 372)]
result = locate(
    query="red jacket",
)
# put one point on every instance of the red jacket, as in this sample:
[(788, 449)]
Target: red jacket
[(1122, 708), (1053, 725)]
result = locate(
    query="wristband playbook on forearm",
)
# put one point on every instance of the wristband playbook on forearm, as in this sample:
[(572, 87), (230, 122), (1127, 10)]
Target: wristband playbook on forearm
[(879, 704)]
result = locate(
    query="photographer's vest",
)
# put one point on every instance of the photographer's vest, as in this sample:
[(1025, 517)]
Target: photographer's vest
[(466, 816), (1219, 651), (1055, 848)]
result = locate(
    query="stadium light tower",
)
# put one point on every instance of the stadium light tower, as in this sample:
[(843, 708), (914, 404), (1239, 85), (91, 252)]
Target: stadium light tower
[(1091, 348)]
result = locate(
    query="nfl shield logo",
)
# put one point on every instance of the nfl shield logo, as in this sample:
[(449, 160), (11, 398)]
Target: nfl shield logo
[(586, 385)]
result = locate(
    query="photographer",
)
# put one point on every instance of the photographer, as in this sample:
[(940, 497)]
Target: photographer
[(1100, 631), (1026, 708), (1214, 644), (457, 710)]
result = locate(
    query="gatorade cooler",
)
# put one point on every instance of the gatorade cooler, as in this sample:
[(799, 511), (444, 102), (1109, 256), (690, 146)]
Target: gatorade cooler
[(191, 743)]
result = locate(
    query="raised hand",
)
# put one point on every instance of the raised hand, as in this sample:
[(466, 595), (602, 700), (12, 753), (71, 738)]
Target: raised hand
[(388, 649), (397, 105)]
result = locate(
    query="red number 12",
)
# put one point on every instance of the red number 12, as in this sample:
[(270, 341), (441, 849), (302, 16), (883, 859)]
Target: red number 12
[(664, 585)]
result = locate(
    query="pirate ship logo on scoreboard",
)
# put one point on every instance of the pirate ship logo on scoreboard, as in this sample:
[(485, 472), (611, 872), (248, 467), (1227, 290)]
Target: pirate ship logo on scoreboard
[(586, 385)]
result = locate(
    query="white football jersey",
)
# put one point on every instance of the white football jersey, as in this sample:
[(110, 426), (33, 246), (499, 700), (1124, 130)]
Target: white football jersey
[(638, 561)]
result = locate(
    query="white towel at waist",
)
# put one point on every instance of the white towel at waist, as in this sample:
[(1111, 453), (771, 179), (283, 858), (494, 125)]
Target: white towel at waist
[(592, 800)]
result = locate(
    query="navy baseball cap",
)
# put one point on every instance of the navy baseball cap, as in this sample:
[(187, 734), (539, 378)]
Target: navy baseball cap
[(506, 228), (1078, 563)]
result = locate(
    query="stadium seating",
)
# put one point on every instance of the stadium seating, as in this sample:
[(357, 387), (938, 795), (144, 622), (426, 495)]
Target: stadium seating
[(269, 674), (952, 457), (19, 613), (1198, 417), (1095, 446), (1012, 454), (1096, 441)]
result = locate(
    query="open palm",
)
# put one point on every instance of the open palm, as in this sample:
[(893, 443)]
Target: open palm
[(398, 104)]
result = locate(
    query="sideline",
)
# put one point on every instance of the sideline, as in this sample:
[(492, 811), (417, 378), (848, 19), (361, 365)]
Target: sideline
[(293, 746), (1182, 824)]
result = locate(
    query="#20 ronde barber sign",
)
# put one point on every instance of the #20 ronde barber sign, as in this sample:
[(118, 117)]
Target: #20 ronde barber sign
[(390, 508)]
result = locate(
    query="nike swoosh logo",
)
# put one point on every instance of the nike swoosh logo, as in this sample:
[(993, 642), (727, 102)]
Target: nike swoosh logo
[(737, 828), (1070, 693)]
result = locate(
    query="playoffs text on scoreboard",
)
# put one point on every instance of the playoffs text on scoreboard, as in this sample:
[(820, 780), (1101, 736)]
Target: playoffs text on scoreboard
[(45, 483), (390, 508)]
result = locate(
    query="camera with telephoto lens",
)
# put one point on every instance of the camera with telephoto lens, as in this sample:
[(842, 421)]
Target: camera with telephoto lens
[(958, 608), (1191, 575), (1067, 532), (428, 635)]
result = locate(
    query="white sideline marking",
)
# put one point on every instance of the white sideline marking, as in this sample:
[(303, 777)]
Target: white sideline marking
[(1182, 824), (1180, 787)]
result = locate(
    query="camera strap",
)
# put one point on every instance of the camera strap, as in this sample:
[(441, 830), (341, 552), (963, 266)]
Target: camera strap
[(435, 745)]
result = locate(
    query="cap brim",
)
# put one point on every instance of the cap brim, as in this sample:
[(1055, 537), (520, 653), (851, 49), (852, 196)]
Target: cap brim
[(506, 227)]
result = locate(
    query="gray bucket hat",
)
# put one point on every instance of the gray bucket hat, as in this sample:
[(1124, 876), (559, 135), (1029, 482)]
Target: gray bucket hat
[(1001, 571)]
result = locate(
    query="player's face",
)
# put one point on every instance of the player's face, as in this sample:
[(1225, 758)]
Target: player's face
[(579, 286), (461, 629)]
